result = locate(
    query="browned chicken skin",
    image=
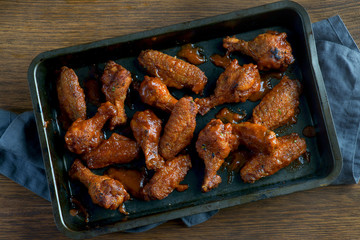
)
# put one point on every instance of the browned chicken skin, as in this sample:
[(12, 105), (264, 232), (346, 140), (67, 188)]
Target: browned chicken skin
[(146, 127), (213, 145), (270, 50), (103, 190), (255, 137), (155, 93), (132, 179), (289, 148), (71, 96), (116, 81), (173, 72), (85, 135), (116, 149), (168, 178), (179, 129), (280, 106), (236, 84)]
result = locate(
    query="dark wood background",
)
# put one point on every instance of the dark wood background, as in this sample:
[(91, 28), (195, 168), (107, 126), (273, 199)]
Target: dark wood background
[(28, 28)]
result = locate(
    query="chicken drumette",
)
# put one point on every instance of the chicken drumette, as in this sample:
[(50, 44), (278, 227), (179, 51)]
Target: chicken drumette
[(116, 81), (280, 106), (213, 145), (155, 93), (71, 96), (173, 72), (270, 50), (103, 190), (236, 84), (146, 127), (116, 149), (179, 129), (85, 135), (168, 178), (288, 149)]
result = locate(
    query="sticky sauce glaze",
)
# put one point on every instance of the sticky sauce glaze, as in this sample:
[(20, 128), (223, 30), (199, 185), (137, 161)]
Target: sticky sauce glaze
[(220, 61), (265, 85), (228, 116), (192, 54)]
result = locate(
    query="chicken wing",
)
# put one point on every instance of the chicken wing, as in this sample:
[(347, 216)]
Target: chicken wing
[(85, 135), (71, 96), (132, 179), (103, 190), (173, 72), (146, 127), (116, 81), (270, 50), (168, 178), (289, 148), (236, 84), (115, 150), (155, 93), (255, 137), (213, 145), (179, 129), (280, 106)]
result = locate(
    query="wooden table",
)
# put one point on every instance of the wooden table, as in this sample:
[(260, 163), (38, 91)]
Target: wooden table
[(28, 28)]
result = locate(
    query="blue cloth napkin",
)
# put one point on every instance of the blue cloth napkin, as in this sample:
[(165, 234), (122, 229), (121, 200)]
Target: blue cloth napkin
[(339, 59)]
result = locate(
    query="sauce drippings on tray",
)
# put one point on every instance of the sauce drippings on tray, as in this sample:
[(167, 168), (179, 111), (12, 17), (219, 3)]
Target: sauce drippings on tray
[(309, 131), (228, 116), (235, 162), (92, 88), (220, 61), (79, 209), (192, 54)]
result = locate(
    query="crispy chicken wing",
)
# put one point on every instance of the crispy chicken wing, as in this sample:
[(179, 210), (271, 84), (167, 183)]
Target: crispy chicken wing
[(236, 84), (173, 72), (270, 50), (289, 148), (103, 190), (116, 149), (155, 93), (168, 178), (146, 127), (116, 81), (213, 145), (255, 137), (280, 106), (132, 179), (71, 96), (85, 135), (179, 129)]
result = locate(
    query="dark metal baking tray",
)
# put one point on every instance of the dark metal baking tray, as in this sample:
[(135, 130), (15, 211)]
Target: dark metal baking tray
[(323, 168)]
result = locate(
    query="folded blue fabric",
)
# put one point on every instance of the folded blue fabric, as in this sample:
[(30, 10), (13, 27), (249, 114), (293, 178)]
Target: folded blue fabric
[(339, 59)]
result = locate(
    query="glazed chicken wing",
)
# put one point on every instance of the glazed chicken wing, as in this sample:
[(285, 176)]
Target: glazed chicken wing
[(270, 50), (103, 190), (71, 96), (85, 135), (132, 179), (280, 106), (173, 72), (179, 129), (146, 127), (236, 84), (213, 145), (116, 81), (255, 137), (289, 148), (168, 178), (117, 149), (155, 93)]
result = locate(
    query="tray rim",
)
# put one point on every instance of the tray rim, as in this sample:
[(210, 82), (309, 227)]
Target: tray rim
[(261, 194)]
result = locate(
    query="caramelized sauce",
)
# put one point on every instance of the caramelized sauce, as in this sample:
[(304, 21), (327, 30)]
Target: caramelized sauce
[(220, 61), (192, 54), (235, 162), (228, 116), (265, 85), (79, 208), (309, 131)]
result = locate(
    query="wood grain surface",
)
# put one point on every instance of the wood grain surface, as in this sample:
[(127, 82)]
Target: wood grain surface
[(28, 28)]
